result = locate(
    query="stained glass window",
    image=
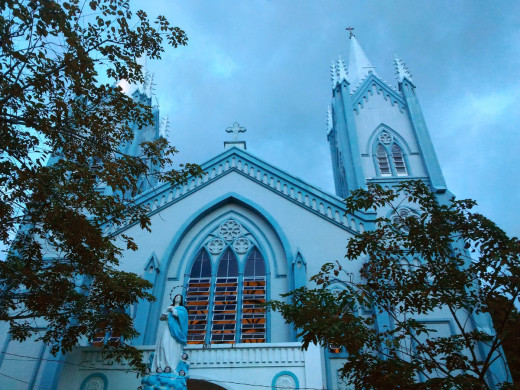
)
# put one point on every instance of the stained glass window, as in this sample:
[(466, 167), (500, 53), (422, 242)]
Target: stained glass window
[(253, 293), (197, 298)]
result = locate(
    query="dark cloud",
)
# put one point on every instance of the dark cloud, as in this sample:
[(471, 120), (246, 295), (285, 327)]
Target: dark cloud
[(265, 65)]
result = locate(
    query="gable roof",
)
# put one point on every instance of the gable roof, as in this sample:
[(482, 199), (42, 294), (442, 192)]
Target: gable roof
[(372, 83), (315, 200)]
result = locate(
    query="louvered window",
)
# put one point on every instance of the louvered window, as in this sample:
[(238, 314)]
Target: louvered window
[(197, 298), (382, 160), (225, 296), (397, 156), (253, 294)]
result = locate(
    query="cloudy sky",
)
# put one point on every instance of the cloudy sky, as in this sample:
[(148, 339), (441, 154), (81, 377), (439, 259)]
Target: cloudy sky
[(266, 65)]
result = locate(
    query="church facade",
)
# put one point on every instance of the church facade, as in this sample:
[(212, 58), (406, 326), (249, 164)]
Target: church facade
[(245, 233)]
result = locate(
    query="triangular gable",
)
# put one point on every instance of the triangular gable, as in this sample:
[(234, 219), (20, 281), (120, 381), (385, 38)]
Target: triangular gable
[(325, 205), (366, 90)]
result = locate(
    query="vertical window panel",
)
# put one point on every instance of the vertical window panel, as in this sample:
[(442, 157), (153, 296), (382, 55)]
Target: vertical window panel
[(197, 298), (397, 156), (253, 322), (225, 294), (382, 161)]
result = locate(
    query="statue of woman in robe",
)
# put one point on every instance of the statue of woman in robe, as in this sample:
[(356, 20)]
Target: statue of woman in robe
[(173, 338)]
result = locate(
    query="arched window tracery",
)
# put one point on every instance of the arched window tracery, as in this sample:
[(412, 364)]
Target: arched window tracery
[(223, 305), (389, 156)]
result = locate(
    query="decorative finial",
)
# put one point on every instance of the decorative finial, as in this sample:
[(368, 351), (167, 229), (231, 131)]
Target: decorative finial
[(329, 119), (164, 126), (333, 74), (342, 70), (401, 70), (350, 29), (236, 129)]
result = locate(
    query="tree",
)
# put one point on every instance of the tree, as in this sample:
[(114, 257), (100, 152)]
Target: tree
[(59, 63), (446, 259)]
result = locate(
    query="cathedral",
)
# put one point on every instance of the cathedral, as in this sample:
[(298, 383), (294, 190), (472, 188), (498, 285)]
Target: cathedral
[(246, 232)]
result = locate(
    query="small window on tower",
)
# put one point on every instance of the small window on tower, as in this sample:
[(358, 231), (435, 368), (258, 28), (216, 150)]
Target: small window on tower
[(397, 156), (382, 161)]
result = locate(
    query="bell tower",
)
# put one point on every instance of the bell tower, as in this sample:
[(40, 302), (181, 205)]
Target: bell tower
[(377, 132)]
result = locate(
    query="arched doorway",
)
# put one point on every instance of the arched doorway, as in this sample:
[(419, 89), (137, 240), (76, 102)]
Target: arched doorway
[(197, 384)]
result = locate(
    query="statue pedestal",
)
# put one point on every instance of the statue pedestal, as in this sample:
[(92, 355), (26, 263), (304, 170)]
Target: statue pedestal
[(163, 381)]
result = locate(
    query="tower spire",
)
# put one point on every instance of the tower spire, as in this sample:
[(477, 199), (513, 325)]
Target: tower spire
[(359, 65)]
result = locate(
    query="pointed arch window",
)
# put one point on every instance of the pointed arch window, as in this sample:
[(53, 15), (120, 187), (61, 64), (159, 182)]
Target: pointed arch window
[(253, 294), (397, 156), (382, 160), (225, 295), (197, 298), (226, 285)]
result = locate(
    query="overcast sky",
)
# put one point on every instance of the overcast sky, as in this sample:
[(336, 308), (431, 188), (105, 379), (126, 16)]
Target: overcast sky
[(265, 64)]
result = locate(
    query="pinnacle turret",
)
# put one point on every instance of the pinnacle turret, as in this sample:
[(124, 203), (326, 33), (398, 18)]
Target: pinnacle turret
[(342, 70), (401, 70), (333, 74)]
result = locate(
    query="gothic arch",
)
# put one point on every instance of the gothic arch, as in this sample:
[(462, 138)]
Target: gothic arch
[(372, 140), (383, 137), (263, 231)]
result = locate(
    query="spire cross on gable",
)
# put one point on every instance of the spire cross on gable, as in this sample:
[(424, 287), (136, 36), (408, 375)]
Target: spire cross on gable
[(350, 29), (236, 129)]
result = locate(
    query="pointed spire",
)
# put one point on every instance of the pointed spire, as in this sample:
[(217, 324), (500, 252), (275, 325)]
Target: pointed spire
[(342, 70), (329, 119), (333, 74), (401, 70), (359, 66)]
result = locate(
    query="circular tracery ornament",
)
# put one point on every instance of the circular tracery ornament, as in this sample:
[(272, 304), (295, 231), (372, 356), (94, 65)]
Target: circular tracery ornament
[(94, 383), (386, 138), (216, 246), (230, 230), (241, 245), (285, 382), (399, 219)]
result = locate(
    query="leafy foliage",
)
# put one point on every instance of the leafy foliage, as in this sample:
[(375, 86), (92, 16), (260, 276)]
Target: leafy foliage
[(59, 62), (446, 259)]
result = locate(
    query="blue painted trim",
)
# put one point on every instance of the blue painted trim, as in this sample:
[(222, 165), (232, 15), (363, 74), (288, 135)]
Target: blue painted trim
[(289, 373), (37, 366), (365, 88), (429, 157), (96, 375), (163, 190), (143, 321), (348, 144), (4, 348)]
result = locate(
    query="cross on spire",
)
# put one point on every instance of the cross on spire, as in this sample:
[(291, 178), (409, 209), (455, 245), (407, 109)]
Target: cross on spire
[(236, 129), (350, 29)]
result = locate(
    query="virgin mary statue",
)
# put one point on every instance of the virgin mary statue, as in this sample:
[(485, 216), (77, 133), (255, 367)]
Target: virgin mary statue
[(173, 338)]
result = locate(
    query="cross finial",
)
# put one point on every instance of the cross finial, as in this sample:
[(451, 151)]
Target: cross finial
[(350, 29), (236, 129)]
